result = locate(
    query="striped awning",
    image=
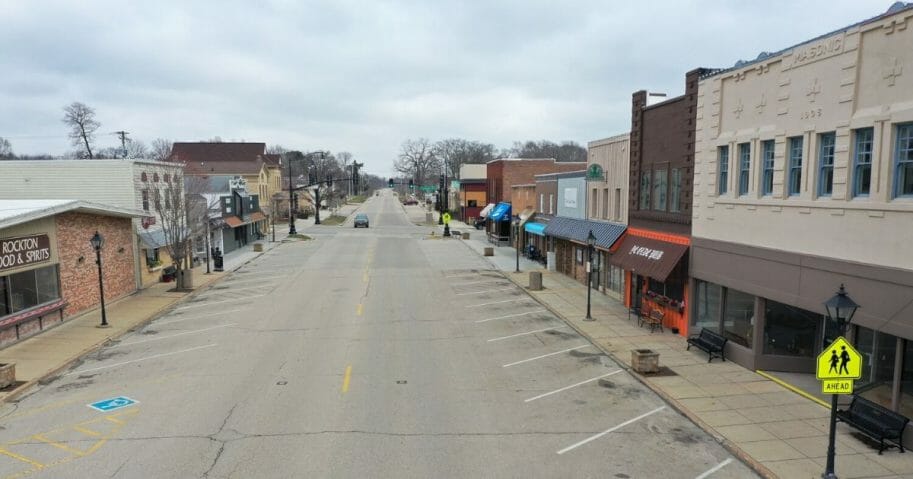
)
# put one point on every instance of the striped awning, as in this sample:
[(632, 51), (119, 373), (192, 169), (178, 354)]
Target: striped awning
[(577, 230)]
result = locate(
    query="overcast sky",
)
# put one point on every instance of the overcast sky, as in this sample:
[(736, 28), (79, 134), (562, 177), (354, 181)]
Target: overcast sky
[(363, 76)]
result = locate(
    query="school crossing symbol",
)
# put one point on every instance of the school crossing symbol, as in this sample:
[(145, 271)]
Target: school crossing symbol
[(838, 365)]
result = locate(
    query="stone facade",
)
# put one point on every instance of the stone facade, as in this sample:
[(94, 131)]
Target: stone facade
[(78, 272)]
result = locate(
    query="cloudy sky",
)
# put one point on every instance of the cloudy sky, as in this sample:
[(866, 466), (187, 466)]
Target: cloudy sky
[(363, 76)]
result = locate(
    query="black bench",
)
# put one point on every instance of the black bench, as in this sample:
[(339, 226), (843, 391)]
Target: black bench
[(710, 342), (875, 421)]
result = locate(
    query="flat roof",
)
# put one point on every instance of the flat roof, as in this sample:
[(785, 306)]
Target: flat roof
[(15, 212)]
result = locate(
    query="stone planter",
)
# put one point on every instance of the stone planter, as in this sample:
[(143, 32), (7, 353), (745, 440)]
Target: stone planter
[(465, 236), (644, 361), (7, 374), (258, 247), (535, 280), (489, 251)]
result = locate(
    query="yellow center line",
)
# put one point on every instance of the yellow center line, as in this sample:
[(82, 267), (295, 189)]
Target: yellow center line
[(360, 308), (346, 378), (364, 277)]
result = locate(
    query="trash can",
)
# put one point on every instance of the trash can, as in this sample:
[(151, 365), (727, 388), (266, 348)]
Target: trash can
[(535, 280), (217, 263)]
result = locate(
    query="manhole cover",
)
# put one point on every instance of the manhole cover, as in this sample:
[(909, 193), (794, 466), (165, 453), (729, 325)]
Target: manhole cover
[(401, 381)]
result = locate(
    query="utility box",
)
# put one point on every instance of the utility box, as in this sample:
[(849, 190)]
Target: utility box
[(535, 280), (550, 261)]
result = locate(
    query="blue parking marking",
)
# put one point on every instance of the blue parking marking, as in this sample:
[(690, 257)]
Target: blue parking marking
[(113, 403)]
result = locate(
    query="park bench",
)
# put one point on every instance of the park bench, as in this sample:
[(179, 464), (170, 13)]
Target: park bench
[(875, 421), (710, 342)]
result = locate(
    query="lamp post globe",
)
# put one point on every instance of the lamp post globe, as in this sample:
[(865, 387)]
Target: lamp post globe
[(98, 242)]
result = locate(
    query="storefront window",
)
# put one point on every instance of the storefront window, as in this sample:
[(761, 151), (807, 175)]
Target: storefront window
[(29, 289), (708, 297), (615, 279), (906, 381), (4, 303), (878, 353), (788, 330), (670, 289), (738, 317)]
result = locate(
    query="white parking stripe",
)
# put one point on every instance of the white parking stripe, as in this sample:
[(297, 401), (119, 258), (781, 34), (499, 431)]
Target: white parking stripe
[(572, 386), (603, 433), (172, 336), (512, 315), (543, 356), (216, 291), (502, 338), (714, 469), (218, 302), (498, 302), (479, 282), (157, 323), (483, 292), (141, 359)]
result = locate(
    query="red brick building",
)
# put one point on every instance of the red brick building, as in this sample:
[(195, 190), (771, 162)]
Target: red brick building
[(47, 264)]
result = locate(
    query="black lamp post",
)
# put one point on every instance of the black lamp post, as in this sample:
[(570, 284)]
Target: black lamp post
[(590, 243), (98, 241), (840, 309), (517, 240), (291, 194)]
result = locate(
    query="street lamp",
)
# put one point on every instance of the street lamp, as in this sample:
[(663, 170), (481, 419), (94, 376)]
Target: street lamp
[(590, 243), (517, 239), (98, 241), (840, 309), (291, 192)]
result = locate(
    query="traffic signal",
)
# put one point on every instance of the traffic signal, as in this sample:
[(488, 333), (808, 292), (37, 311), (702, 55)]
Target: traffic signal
[(411, 185), (442, 182), (355, 181), (390, 183)]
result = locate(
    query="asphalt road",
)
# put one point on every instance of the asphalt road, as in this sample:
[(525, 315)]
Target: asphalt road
[(363, 353)]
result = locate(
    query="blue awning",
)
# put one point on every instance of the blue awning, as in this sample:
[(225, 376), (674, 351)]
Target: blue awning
[(573, 229), (535, 228), (500, 213)]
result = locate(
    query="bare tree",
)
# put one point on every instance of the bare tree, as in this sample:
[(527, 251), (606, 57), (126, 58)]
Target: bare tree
[(455, 152), (417, 160), (276, 150), (567, 151), (6, 149), (184, 214), (160, 150), (81, 120)]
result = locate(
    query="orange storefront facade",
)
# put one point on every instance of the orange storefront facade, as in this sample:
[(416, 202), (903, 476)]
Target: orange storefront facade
[(656, 275)]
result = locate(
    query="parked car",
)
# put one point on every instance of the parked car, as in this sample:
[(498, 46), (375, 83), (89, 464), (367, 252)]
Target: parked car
[(361, 219), (411, 201)]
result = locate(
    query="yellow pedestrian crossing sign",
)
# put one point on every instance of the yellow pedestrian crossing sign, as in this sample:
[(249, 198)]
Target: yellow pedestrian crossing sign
[(839, 360)]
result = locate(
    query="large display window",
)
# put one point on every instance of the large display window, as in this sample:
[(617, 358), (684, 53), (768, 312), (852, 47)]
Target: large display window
[(27, 289)]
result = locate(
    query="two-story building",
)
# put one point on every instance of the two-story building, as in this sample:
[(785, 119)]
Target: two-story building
[(804, 183), (121, 183), (608, 201), (653, 253)]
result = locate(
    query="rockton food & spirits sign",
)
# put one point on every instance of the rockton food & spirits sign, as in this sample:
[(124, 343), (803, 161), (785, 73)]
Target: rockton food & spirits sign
[(23, 251)]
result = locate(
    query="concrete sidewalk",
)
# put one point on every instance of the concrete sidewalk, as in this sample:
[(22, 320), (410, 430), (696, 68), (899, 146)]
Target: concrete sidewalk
[(46, 354), (775, 430)]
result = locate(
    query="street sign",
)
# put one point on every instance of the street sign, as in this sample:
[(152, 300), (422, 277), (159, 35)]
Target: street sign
[(839, 361), (428, 189), (837, 386), (112, 404), (446, 218)]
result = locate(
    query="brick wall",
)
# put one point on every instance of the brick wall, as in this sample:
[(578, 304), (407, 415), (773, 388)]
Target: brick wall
[(79, 279), (523, 172), (662, 137)]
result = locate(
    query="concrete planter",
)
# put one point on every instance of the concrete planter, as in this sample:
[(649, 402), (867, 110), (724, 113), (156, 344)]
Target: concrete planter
[(535, 280), (258, 247), (644, 361), (489, 251), (7, 374), (465, 236)]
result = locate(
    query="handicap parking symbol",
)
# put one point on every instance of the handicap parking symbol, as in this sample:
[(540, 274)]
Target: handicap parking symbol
[(113, 403)]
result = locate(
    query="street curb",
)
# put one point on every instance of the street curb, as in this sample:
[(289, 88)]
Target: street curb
[(672, 402), (27, 386)]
